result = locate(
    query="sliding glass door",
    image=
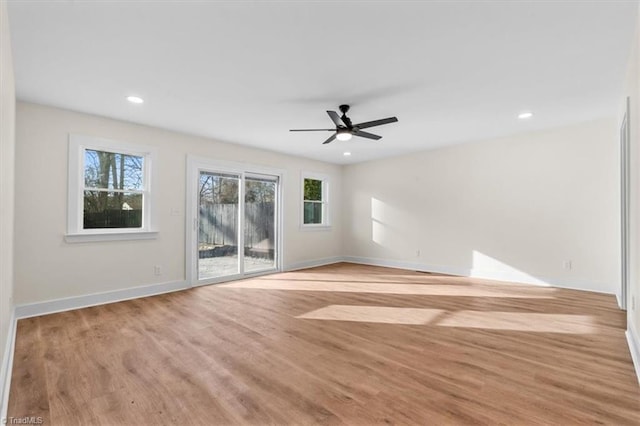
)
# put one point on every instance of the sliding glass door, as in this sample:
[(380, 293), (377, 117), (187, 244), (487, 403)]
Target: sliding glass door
[(235, 224), (218, 239), (259, 223)]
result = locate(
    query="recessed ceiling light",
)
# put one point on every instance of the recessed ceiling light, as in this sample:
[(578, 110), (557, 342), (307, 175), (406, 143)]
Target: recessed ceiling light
[(525, 115), (346, 154), (135, 99)]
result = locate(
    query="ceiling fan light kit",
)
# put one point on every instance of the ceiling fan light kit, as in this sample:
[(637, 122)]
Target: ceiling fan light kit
[(345, 129), (343, 135)]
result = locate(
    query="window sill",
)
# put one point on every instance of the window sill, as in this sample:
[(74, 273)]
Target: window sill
[(110, 236), (315, 227)]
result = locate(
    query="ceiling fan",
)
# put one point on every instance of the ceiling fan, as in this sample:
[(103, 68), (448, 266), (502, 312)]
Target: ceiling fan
[(345, 129)]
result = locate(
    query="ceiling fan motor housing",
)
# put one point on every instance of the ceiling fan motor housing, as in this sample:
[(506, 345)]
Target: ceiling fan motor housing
[(347, 121)]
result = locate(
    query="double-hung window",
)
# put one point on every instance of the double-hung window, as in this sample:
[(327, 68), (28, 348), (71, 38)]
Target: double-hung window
[(315, 200), (109, 190)]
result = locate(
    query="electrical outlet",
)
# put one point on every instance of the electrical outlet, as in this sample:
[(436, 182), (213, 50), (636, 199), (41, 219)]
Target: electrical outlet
[(417, 253), (157, 270), (633, 303), (567, 265)]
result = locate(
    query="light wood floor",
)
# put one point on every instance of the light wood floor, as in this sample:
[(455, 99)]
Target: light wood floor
[(341, 344)]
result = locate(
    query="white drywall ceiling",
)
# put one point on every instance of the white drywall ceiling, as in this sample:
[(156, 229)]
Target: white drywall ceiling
[(247, 72)]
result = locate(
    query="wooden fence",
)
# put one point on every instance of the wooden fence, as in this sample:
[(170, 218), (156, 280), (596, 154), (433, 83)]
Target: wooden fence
[(114, 218), (219, 225)]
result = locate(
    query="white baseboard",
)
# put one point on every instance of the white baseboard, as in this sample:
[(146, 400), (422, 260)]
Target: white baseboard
[(314, 263), (77, 302), (85, 301), (572, 284), (7, 367), (412, 266), (634, 347), (495, 275)]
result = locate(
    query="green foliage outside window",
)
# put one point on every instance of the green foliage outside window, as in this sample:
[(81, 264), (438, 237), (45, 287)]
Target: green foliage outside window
[(312, 190), (313, 202), (112, 197)]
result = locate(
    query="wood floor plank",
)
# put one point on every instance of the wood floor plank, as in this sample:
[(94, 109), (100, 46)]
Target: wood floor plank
[(340, 344), (28, 375)]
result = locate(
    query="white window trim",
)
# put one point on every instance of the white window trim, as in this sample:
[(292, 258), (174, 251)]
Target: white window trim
[(326, 202), (75, 233)]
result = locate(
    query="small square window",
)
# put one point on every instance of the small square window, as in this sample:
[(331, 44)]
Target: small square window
[(315, 200)]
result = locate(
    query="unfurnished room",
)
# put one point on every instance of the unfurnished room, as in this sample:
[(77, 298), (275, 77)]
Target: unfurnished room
[(319, 212)]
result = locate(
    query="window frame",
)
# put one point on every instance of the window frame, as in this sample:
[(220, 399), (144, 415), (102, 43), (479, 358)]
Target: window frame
[(326, 211), (78, 144)]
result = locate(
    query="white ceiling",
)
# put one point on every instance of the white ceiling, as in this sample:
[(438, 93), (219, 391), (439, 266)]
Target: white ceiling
[(247, 72)]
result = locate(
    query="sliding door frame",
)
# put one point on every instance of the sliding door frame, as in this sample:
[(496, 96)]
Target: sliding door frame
[(195, 165)]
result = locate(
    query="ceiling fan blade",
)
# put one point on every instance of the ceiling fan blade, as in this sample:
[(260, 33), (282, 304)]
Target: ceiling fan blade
[(366, 135), (336, 119), (330, 139), (312, 130), (376, 123)]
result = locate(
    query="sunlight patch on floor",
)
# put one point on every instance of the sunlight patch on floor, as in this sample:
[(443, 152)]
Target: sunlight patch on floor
[(377, 314), (386, 288), (520, 321), (511, 321)]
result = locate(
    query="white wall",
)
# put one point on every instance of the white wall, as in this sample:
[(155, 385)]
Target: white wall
[(7, 146), (513, 208), (632, 90), (47, 268)]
